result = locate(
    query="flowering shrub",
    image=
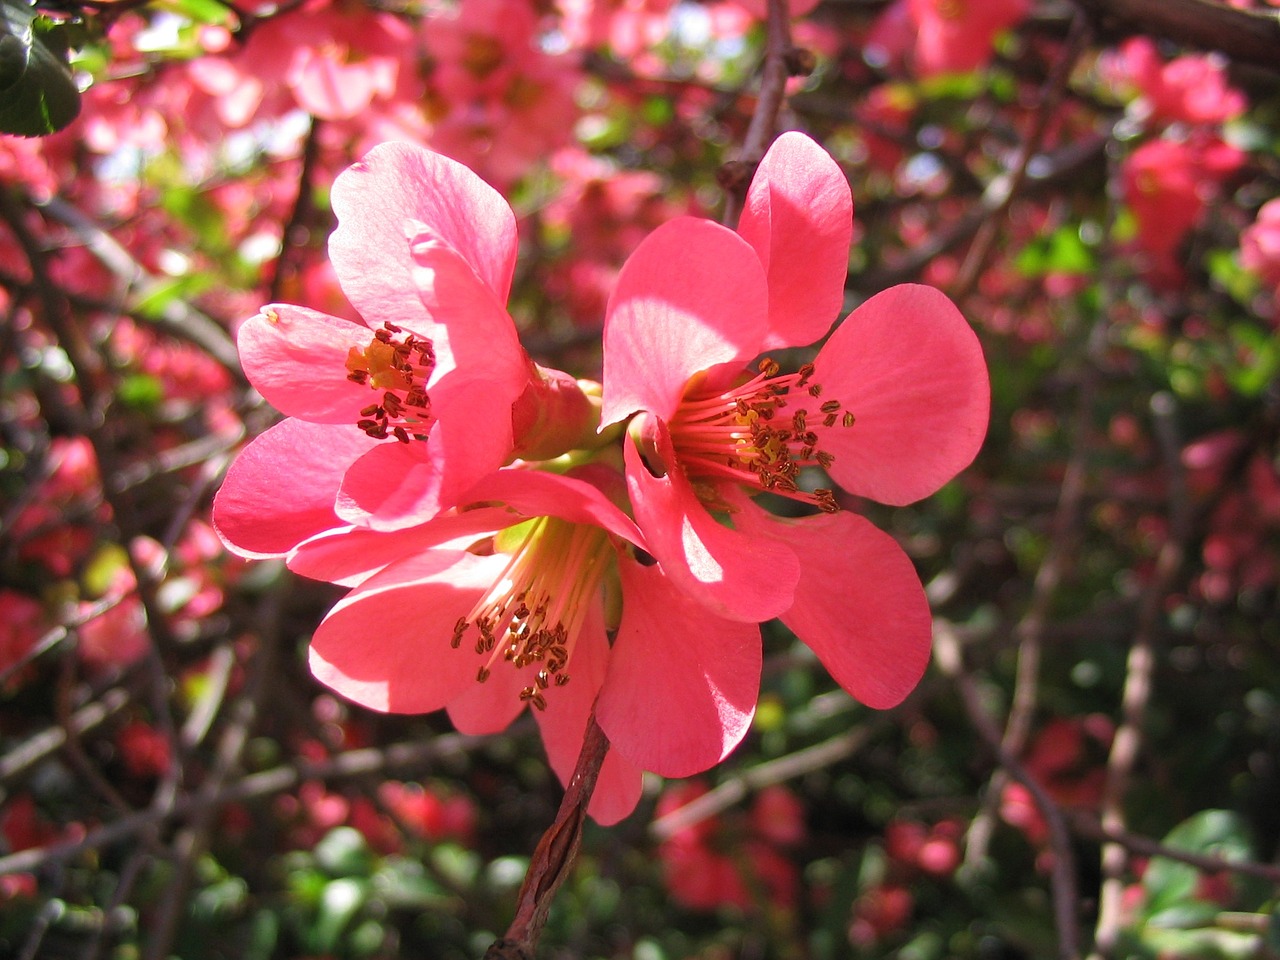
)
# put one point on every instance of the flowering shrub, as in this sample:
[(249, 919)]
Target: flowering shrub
[(428, 428)]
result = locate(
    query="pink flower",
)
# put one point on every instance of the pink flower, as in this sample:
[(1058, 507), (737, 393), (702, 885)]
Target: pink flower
[(1189, 89), (728, 862), (944, 36), (497, 100), (893, 405), (1260, 246), (144, 749), (22, 621), (957, 35), (488, 609), (424, 251), (1168, 185), (334, 61)]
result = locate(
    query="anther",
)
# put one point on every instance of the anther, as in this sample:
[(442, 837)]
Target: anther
[(393, 364)]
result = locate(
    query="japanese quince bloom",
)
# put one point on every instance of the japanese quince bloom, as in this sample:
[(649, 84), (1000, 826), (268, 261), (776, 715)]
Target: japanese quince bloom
[(893, 405), (506, 603), (424, 250)]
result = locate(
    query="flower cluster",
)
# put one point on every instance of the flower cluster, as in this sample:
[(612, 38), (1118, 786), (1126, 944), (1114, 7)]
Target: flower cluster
[(514, 537)]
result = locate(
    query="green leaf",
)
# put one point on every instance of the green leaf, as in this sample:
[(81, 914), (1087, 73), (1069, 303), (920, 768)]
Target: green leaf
[(340, 902), (344, 852), (1061, 252), (38, 94), (1171, 884), (201, 11), (141, 391)]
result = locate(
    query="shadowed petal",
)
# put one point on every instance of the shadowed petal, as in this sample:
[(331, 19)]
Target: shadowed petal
[(799, 218), (296, 358), (282, 487), (386, 645), (734, 575), (394, 485), (859, 603), (349, 555), (376, 199), (536, 493), (692, 296), (467, 324), (910, 369), (682, 683), (564, 723)]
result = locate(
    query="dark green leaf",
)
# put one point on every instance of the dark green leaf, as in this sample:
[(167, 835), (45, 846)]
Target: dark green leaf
[(38, 94)]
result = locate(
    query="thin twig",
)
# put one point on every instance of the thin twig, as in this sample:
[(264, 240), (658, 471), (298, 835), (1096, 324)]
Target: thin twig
[(303, 209), (1090, 826), (1062, 875), (764, 119), (1031, 630), (1002, 191), (1137, 686), (555, 853), (726, 794)]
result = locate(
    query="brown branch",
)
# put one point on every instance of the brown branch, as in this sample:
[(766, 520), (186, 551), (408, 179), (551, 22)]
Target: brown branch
[(193, 840), (1137, 686), (177, 318), (1002, 191), (555, 853), (736, 175), (1088, 825), (726, 794), (345, 766), (1032, 628), (303, 210), (1247, 36), (950, 660)]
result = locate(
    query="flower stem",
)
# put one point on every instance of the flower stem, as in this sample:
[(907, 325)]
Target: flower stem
[(555, 853)]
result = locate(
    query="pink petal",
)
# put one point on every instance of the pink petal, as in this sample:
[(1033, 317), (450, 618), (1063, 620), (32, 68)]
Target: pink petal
[(468, 325), (799, 219), (733, 575), (394, 485), (482, 372), (682, 683), (692, 296), (859, 604), (331, 90), (386, 645), (281, 489), (296, 358), (910, 369), (489, 707), (376, 199), (564, 722), (349, 555), (537, 493)]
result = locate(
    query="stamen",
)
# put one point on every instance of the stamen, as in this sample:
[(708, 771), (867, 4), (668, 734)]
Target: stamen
[(398, 367), (737, 435), (534, 611)]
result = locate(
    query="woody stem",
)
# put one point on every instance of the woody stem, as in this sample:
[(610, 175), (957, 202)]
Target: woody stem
[(555, 853)]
